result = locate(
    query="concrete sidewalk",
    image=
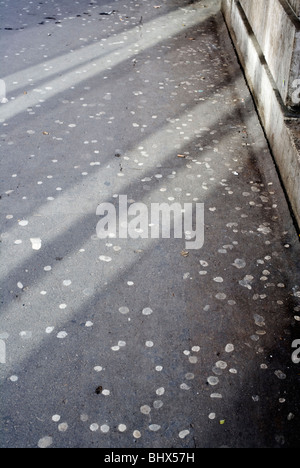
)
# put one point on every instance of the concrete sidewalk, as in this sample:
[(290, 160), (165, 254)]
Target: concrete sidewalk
[(140, 342)]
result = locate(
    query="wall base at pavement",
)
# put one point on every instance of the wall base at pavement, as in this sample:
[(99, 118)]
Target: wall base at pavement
[(281, 123)]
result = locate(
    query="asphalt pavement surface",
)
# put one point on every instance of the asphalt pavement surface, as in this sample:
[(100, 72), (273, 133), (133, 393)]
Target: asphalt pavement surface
[(140, 341)]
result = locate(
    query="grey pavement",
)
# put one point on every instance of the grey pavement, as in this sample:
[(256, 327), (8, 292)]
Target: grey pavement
[(139, 343)]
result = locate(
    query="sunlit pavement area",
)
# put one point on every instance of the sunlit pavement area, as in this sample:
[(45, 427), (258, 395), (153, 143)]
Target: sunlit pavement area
[(140, 343)]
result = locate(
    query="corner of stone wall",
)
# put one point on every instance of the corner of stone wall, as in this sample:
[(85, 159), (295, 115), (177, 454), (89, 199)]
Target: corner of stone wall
[(267, 75)]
